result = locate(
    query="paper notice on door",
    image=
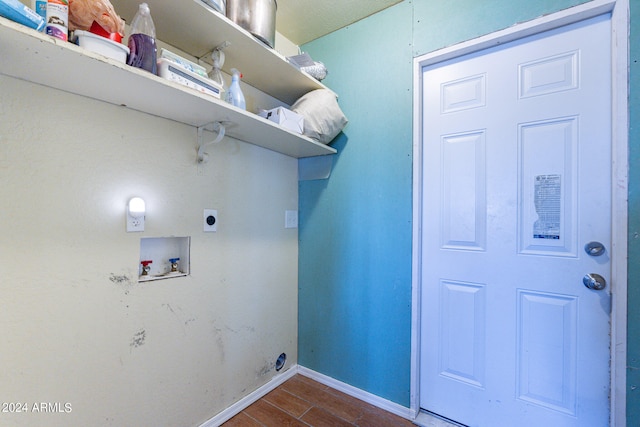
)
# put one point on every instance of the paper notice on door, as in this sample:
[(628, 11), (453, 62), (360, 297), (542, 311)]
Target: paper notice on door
[(547, 201)]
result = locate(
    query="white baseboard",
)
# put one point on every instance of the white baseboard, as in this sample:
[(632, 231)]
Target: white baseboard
[(240, 405), (365, 396)]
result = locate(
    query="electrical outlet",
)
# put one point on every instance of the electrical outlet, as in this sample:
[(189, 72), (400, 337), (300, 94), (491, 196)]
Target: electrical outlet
[(210, 220), (135, 224), (290, 219), (135, 215)]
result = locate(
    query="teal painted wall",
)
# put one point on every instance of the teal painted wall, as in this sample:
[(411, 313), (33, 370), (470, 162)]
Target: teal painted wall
[(439, 24), (355, 227)]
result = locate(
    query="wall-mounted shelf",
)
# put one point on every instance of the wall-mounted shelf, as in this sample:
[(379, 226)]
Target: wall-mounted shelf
[(29, 55), (197, 29)]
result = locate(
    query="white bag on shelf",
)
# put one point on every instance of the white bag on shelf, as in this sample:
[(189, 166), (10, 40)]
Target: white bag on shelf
[(323, 118)]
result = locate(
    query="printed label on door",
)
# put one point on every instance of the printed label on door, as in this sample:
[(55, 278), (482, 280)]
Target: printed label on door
[(547, 201)]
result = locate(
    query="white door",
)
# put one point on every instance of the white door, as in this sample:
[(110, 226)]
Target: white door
[(516, 181)]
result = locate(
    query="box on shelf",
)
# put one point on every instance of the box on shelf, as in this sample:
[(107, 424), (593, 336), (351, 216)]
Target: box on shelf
[(174, 72), (285, 118), (18, 12), (183, 62)]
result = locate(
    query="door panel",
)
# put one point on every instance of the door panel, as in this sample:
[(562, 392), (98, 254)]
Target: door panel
[(516, 180), (547, 350), (464, 199), (548, 187), (462, 348)]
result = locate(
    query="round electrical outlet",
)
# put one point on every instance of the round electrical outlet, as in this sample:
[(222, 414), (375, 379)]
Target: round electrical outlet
[(210, 218), (281, 361)]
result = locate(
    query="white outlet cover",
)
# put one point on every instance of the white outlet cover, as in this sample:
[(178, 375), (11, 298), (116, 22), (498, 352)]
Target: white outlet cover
[(135, 224), (210, 226)]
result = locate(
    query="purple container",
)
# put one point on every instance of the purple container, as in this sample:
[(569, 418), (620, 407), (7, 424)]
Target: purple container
[(143, 52)]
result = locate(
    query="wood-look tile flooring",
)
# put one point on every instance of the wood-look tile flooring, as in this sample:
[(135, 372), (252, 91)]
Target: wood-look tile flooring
[(301, 401)]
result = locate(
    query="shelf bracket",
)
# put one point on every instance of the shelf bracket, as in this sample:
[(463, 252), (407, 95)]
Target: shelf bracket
[(219, 128), (312, 168)]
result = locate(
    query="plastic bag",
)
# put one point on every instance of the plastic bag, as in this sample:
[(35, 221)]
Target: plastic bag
[(82, 13), (323, 118)]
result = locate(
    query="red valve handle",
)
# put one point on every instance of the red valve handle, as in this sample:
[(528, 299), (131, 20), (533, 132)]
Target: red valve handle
[(145, 263)]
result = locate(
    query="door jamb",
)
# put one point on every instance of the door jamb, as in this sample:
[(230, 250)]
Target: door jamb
[(619, 10)]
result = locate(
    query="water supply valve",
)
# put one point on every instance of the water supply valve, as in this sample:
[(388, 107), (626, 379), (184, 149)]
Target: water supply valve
[(174, 264), (145, 267)]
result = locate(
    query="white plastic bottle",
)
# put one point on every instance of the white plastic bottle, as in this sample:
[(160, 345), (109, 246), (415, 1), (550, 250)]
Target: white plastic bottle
[(234, 93), (57, 19)]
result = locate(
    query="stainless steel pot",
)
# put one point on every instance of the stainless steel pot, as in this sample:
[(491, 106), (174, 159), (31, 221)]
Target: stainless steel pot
[(219, 5), (256, 16)]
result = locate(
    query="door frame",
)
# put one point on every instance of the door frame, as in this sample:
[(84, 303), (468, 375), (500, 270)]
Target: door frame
[(619, 10)]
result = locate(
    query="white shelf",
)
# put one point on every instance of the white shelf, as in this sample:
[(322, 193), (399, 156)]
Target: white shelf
[(197, 29), (29, 55)]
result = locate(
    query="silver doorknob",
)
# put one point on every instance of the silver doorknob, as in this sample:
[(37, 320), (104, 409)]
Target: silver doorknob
[(594, 281), (594, 248)]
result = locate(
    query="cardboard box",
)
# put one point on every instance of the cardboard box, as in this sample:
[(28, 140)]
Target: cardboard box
[(286, 118)]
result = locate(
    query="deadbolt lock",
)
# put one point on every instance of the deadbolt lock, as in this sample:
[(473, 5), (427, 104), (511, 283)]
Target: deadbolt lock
[(594, 248)]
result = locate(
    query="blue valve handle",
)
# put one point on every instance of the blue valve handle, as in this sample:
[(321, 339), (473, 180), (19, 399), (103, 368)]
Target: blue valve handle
[(174, 260)]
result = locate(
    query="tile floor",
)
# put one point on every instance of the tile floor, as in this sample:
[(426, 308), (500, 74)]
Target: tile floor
[(303, 402)]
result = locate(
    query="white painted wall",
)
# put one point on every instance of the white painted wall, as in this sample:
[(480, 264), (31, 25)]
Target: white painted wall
[(285, 47), (77, 328)]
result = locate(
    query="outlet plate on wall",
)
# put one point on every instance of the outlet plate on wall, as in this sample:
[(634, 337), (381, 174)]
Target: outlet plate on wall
[(135, 224), (210, 220), (290, 219)]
